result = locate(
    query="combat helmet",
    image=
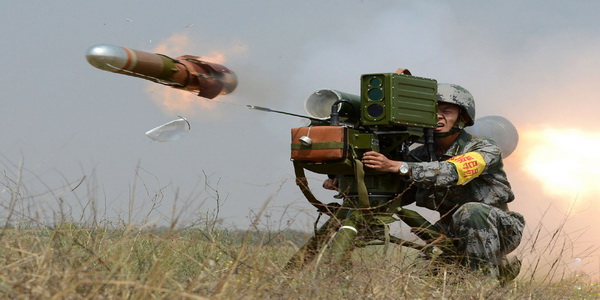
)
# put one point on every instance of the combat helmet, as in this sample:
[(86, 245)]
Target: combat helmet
[(456, 94)]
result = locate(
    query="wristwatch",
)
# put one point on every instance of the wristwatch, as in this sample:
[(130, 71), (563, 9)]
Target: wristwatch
[(404, 168)]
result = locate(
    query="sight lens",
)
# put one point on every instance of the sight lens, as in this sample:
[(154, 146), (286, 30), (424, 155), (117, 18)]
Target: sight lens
[(375, 82), (375, 94), (375, 110)]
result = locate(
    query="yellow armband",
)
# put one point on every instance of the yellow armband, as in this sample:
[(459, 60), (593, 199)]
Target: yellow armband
[(468, 166)]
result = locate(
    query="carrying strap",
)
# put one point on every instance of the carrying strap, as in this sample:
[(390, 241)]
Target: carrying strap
[(403, 71), (319, 146), (302, 183), (359, 174)]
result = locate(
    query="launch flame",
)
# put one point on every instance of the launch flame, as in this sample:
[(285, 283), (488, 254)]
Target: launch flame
[(563, 161), (174, 101)]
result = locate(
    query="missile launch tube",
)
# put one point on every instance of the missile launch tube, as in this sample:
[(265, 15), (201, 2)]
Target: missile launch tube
[(318, 105), (185, 72)]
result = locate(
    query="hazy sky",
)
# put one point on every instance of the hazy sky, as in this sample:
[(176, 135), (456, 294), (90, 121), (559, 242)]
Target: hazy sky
[(534, 62)]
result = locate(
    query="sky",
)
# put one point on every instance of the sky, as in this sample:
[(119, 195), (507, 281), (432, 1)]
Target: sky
[(74, 143)]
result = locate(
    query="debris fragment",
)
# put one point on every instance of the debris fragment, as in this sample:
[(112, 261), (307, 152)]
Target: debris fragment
[(170, 131)]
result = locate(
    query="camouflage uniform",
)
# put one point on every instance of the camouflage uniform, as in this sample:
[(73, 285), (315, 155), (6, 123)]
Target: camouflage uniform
[(469, 188)]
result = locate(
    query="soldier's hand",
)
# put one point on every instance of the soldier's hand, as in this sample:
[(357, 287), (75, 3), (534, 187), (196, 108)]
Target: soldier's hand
[(331, 184), (379, 162)]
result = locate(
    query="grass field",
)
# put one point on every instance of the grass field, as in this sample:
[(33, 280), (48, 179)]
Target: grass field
[(99, 259), (69, 262)]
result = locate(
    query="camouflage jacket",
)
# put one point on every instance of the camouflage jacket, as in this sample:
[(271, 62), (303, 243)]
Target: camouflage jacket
[(470, 171)]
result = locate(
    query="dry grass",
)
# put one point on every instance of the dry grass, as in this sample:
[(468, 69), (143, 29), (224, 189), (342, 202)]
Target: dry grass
[(68, 262), (86, 260)]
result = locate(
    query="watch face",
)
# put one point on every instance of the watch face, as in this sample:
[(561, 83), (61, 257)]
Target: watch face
[(403, 169)]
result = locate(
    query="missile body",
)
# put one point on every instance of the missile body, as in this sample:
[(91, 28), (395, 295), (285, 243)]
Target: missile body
[(186, 72)]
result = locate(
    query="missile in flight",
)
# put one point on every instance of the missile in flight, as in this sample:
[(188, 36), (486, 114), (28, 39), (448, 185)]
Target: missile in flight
[(190, 73)]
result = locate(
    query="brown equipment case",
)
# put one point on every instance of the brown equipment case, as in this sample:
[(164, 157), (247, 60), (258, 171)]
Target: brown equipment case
[(329, 143)]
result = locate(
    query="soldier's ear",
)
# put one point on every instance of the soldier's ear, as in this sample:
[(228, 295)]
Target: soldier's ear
[(461, 123)]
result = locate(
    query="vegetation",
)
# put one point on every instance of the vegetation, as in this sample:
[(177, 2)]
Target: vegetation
[(70, 262), (91, 259)]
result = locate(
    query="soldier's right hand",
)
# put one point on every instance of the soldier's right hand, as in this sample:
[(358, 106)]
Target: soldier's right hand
[(331, 184)]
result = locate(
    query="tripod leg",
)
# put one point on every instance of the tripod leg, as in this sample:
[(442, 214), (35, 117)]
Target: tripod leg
[(307, 253), (332, 242)]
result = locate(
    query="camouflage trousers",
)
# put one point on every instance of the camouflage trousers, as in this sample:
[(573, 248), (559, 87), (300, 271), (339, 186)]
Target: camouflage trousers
[(484, 235)]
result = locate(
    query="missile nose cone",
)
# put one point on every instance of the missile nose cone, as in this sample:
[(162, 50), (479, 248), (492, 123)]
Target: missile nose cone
[(107, 57)]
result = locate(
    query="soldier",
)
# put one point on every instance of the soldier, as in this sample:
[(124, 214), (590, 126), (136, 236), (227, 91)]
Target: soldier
[(466, 185)]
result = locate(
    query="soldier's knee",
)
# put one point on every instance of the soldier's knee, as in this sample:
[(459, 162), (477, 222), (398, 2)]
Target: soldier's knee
[(472, 215), (472, 210)]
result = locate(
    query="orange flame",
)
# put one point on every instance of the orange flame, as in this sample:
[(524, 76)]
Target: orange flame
[(563, 161), (556, 191), (174, 101)]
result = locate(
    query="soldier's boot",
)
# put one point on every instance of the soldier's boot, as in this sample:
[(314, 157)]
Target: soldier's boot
[(509, 269)]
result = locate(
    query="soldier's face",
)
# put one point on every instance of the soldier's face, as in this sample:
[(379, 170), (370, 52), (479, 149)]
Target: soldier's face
[(447, 115)]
